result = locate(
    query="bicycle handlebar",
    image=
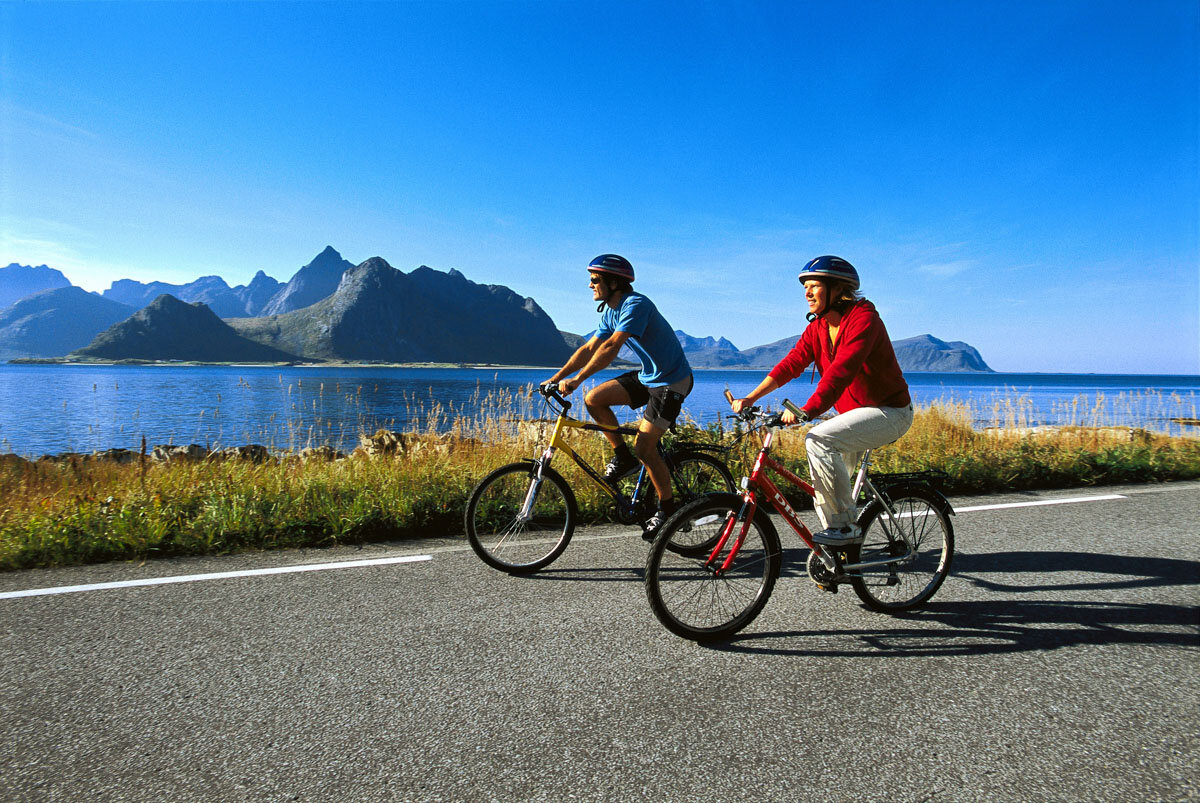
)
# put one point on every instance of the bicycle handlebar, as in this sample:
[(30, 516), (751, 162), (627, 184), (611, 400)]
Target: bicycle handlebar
[(755, 416), (549, 391)]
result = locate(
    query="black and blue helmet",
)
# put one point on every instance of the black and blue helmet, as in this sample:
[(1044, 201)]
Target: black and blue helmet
[(830, 268), (614, 265)]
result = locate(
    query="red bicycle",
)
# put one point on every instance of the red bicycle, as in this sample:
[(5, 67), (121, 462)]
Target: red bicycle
[(712, 568)]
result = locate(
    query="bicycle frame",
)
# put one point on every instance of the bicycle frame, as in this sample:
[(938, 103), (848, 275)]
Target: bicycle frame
[(760, 482), (557, 441)]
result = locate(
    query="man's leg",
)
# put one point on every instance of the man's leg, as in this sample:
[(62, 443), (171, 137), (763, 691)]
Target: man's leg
[(599, 402), (646, 449), (663, 408)]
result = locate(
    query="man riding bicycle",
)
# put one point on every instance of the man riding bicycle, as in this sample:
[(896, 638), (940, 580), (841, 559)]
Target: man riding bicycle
[(629, 318), (847, 343)]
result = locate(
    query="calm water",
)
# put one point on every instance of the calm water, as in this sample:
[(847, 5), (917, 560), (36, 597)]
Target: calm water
[(47, 409)]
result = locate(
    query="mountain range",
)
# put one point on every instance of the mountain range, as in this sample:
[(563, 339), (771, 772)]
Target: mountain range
[(332, 309), (920, 353), (21, 281), (380, 313), (56, 322)]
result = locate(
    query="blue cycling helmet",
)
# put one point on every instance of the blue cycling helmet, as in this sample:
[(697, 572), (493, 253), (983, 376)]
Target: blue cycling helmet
[(830, 268), (614, 265)]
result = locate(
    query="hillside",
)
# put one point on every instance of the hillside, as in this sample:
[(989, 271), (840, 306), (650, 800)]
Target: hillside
[(170, 329), (927, 353), (54, 322)]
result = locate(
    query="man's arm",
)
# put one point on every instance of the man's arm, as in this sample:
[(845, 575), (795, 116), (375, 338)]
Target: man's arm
[(580, 358), (605, 352)]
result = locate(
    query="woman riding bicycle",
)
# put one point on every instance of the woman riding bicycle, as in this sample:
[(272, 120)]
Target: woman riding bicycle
[(847, 343)]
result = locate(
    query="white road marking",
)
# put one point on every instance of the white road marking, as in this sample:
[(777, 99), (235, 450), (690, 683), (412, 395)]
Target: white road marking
[(352, 564), (192, 578), (1070, 501)]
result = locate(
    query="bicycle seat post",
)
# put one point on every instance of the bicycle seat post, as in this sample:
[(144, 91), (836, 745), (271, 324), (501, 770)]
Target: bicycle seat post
[(862, 474)]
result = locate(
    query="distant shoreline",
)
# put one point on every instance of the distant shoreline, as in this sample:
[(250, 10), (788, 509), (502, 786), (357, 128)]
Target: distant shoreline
[(476, 366), (238, 364)]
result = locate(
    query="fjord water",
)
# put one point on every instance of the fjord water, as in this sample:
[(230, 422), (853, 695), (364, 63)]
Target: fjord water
[(50, 409)]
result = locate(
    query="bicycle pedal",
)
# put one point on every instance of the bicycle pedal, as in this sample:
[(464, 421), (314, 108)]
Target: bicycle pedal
[(831, 589)]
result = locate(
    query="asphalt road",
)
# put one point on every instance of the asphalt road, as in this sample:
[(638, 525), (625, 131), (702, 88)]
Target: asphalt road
[(1060, 661)]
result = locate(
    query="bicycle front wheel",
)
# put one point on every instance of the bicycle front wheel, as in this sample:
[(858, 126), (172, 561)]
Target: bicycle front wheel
[(688, 593), (920, 530), (505, 538)]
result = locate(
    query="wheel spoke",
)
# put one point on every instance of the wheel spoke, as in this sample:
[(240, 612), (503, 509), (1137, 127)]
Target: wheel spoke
[(919, 530), (693, 600), (502, 537)]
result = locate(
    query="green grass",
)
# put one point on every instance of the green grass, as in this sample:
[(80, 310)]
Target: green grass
[(82, 511)]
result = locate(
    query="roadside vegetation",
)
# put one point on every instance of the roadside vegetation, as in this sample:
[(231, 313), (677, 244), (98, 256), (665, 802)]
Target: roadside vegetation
[(82, 508)]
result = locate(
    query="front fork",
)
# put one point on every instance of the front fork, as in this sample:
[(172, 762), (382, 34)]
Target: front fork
[(535, 483)]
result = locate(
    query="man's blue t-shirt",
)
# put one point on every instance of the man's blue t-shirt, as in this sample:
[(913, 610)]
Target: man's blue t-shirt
[(650, 337)]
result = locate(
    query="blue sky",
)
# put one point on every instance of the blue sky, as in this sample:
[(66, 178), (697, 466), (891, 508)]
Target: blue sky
[(1020, 176)]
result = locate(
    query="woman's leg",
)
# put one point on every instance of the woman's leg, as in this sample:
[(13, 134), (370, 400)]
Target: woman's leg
[(828, 444)]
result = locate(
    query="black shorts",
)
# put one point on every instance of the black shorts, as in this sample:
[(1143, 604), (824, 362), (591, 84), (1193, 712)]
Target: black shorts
[(665, 402)]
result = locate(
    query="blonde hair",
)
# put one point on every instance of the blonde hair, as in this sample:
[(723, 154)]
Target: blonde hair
[(842, 294)]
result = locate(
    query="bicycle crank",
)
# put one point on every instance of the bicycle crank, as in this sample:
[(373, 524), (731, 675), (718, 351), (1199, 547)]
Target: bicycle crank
[(825, 578)]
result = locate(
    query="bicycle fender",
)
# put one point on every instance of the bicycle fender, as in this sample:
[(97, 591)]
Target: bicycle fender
[(939, 499)]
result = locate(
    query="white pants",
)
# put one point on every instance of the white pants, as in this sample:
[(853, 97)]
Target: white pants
[(837, 444)]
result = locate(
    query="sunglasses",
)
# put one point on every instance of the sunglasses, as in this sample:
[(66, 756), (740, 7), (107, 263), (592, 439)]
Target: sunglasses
[(593, 280)]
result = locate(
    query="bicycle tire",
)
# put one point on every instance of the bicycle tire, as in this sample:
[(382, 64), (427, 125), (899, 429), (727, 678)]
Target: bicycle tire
[(688, 598), (922, 520), (696, 474), (504, 542)]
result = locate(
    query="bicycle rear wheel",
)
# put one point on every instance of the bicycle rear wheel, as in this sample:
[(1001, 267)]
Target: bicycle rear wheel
[(922, 525), (504, 539), (696, 474), (693, 474), (693, 600)]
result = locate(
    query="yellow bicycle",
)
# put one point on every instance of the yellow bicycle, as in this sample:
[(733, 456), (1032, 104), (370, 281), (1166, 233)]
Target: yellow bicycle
[(521, 516)]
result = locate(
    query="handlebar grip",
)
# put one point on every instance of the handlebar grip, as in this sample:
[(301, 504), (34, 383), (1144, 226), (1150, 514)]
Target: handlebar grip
[(550, 391), (794, 410), (728, 396)]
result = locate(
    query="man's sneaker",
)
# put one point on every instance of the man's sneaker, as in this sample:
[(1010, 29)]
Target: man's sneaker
[(618, 466), (839, 536), (654, 524)]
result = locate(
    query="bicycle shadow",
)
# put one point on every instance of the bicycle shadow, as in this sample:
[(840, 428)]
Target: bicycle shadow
[(1013, 622), (1133, 572), (605, 574)]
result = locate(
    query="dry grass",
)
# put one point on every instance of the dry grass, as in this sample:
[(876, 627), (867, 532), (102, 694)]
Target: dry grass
[(80, 510)]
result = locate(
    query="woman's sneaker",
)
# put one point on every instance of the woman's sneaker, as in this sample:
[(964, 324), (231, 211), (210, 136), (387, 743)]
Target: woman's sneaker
[(839, 536)]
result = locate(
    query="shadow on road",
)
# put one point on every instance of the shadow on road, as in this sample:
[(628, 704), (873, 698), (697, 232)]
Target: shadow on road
[(1012, 622), (986, 628), (1130, 572), (607, 574)]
